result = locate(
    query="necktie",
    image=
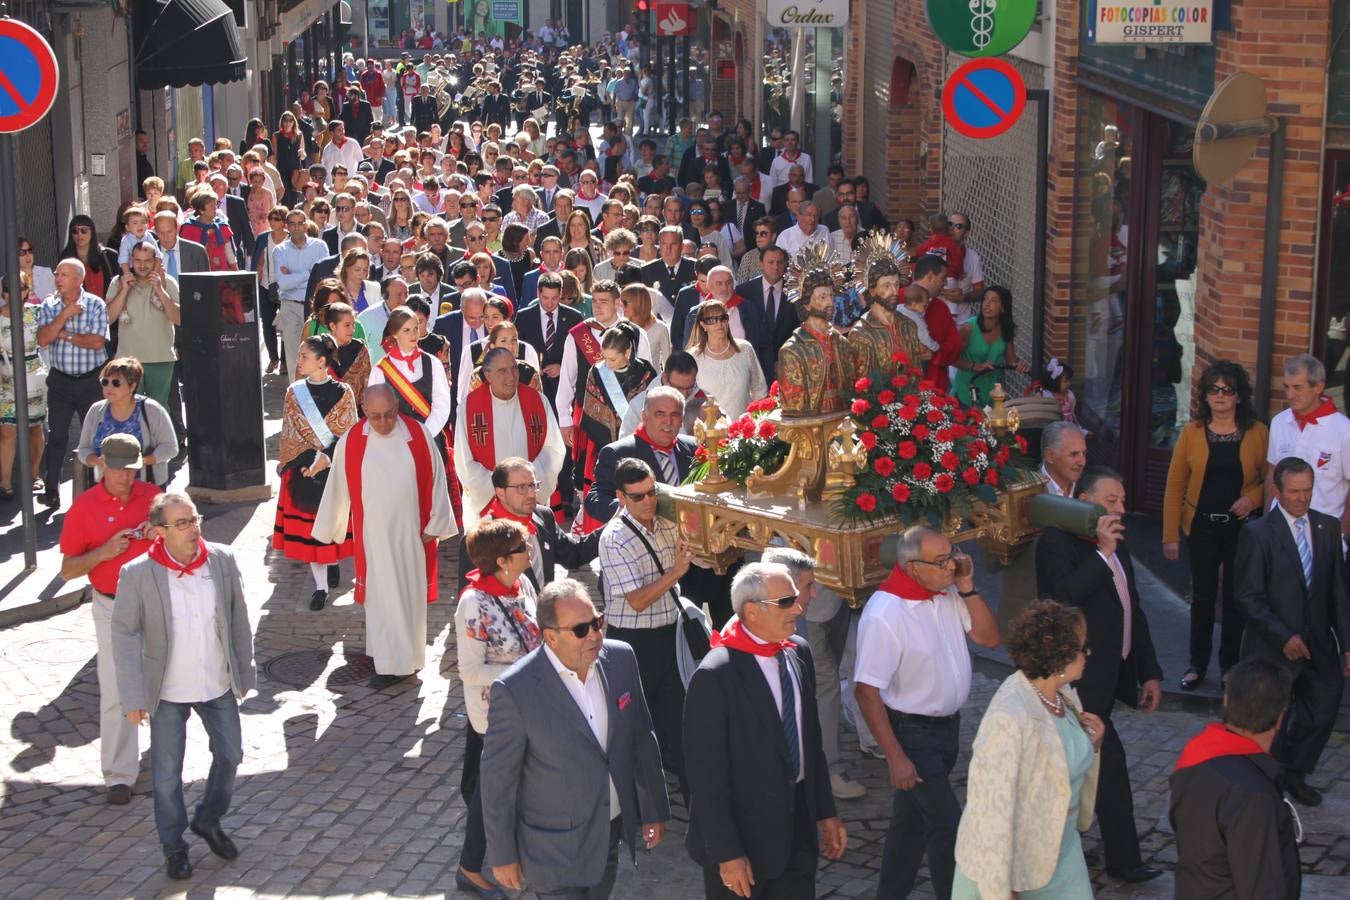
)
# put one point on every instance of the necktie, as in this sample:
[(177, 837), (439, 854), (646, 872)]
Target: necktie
[(173, 263), (1304, 549), (771, 305), (667, 460), (1123, 591), (789, 716), (550, 332)]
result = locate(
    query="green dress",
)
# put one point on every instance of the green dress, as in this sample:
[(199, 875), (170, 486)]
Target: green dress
[(978, 350), (1071, 880)]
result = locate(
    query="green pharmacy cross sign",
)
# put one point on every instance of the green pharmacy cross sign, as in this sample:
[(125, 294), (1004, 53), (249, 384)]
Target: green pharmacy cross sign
[(980, 28)]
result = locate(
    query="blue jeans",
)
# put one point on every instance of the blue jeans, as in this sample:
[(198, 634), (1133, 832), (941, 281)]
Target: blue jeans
[(168, 737), (925, 817)]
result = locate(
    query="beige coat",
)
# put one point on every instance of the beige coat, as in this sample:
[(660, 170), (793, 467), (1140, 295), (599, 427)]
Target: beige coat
[(1018, 793)]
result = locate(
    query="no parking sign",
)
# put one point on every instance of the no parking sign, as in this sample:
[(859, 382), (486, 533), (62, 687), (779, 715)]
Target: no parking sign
[(984, 98), (28, 76)]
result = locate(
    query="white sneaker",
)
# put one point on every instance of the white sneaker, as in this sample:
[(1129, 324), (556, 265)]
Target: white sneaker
[(845, 788)]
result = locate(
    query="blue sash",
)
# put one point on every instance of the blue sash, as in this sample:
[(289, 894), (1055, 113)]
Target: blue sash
[(610, 382), (310, 410)]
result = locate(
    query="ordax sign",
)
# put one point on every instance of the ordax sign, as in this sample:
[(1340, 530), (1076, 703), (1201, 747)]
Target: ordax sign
[(807, 13)]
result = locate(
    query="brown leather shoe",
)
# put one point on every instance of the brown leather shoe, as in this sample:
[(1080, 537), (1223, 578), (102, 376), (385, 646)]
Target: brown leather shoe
[(119, 794)]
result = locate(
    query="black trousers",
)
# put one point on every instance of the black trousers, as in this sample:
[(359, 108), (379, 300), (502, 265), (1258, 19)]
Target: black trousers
[(700, 585), (475, 837), (67, 397), (1213, 547), (1115, 801), (663, 690), (602, 890), (797, 881), (271, 305), (1313, 705)]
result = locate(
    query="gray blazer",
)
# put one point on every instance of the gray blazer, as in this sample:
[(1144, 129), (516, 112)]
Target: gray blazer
[(141, 628), (545, 778)]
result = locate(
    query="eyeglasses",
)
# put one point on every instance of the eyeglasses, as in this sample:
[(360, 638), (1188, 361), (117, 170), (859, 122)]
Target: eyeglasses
[(524, 487), (1215, 390), (343, 208), (640, 495), (581, 629), (467, 204), (960, 226), (81, 229), (492, 218), (475, 237), (523, 548), (781, 602), (25, 251), (714, 320), (760, 232), (183, 524), (941, 562), (698, 212), (115, 382)]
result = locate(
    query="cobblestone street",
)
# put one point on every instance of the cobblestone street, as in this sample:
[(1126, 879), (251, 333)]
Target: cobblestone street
[(345, 791)]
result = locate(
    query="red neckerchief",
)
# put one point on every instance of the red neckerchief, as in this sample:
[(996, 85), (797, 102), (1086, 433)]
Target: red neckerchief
[(495, 510), (1326, 408), (642, 435), (582, 193), (733, 636), (1216, 741), (790, 159), (901, 585), (754, 189), (160, 554), (391, 350), (703, 292), (709, 156), (735, 301), (489, 584), (735, 160)]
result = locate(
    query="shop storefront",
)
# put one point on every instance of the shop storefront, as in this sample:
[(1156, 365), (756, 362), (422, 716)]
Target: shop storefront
[(1333, 276)]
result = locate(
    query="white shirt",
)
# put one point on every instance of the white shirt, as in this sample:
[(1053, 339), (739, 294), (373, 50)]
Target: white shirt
[(1290, 520), (196, 670), (793, 239), (778, 169), (1324, 445), (769, 666), (591, 700), (1052, 486), (348, 155), (914, 652)]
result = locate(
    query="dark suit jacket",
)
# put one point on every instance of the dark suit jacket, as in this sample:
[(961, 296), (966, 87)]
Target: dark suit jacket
[(330, 236), (754, 211), (1070, 570), (778, 199), (601, 500), (545, 778), (551, 228), (236, 213), (1270, 590), (530, 327), (556, 545), (529, 288), (495, 109), (684, 303), (451, 327), (655, 274), (324, 268), (445, 293), (769, 338), (742, 792), (693, 164), (358, 118)]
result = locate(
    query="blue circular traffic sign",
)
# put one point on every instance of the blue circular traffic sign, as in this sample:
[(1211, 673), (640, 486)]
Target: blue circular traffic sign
[(28, 76), (984, 98)]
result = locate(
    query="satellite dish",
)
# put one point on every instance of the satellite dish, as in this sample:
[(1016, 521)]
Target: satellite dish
[(1230, 128)]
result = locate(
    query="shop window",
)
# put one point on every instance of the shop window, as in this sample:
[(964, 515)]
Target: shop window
[(903, 78)]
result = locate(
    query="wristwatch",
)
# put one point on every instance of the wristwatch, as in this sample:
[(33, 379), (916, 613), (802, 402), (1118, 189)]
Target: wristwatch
[(965, 594)]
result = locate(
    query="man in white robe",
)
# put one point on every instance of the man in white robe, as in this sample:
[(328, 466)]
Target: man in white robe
[(499, 419), (388, 478)]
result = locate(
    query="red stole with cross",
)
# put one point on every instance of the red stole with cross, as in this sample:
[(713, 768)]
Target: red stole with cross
[(478, 407), (420, 448)]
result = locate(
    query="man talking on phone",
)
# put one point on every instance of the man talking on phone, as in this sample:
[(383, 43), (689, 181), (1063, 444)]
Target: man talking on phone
[(108, 526), (1096, 575), (144, 303), (912, 678)]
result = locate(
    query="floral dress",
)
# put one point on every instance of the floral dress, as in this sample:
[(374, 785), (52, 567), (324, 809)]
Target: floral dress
[(32, 365)]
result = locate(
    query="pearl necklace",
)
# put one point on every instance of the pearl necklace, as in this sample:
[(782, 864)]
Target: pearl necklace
[(1056, 706)]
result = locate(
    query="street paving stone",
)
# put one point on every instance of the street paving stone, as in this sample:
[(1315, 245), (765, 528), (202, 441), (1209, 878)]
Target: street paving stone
[(348, 792)]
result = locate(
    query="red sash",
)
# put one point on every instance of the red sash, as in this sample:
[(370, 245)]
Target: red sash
[(405, 388), (584, 335), (420, 448), (478, 407)]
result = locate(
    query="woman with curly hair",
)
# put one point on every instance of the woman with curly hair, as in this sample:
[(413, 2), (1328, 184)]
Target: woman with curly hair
[(1033, 765)]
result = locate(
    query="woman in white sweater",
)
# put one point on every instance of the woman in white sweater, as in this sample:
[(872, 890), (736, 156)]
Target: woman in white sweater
[(1033, 771), (637, 308), (728, 369)]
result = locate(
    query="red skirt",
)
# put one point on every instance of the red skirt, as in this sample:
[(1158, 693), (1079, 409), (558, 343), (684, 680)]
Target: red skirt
[(293, 531)]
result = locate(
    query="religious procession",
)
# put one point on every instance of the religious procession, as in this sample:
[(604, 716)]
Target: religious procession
[(540, 481)]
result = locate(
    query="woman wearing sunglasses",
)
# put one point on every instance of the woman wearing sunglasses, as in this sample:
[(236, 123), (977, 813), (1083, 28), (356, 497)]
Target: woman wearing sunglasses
[(494, 626), (1213, 486), (121, 411), (727, 366)]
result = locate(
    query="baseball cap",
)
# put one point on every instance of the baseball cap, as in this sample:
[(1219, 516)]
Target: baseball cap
[(121, 451)]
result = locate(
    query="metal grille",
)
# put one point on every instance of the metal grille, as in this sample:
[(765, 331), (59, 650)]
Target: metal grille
[(994, 181), (879, 54)]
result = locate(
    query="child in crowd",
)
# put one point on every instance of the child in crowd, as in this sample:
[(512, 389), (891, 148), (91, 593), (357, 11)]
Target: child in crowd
[(137, 223)]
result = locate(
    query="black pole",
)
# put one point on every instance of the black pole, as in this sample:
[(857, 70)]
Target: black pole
[(9, 257), (1270, 260), (1042, 98)]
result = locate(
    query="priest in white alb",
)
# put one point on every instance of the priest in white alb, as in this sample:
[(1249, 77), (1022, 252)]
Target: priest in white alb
[(388, 479), (499, 419)]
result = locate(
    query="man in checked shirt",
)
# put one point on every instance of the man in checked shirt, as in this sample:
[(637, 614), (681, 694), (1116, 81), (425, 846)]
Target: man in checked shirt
[(642, 558)]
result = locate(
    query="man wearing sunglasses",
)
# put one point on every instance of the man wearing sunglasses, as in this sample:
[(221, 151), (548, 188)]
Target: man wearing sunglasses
[(197, 660), (912, 678), (757, 769), (570, 741)]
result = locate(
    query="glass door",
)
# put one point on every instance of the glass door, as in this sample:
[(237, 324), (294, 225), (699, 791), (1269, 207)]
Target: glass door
[(1333, 281)]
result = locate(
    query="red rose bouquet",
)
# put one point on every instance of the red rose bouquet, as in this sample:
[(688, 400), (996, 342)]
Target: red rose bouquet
[(752, 440)]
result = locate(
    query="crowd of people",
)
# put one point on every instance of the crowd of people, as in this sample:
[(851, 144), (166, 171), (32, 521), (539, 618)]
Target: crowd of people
[(496, 333)]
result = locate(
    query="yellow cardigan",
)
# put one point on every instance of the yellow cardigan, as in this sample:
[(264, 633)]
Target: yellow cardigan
[(1187, 472)]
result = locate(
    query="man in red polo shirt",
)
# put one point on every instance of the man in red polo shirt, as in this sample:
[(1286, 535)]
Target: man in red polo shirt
[(108, 526)]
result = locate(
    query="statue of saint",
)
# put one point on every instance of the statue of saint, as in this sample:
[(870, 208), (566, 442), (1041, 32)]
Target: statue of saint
[(815, 366), (882, 331)]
